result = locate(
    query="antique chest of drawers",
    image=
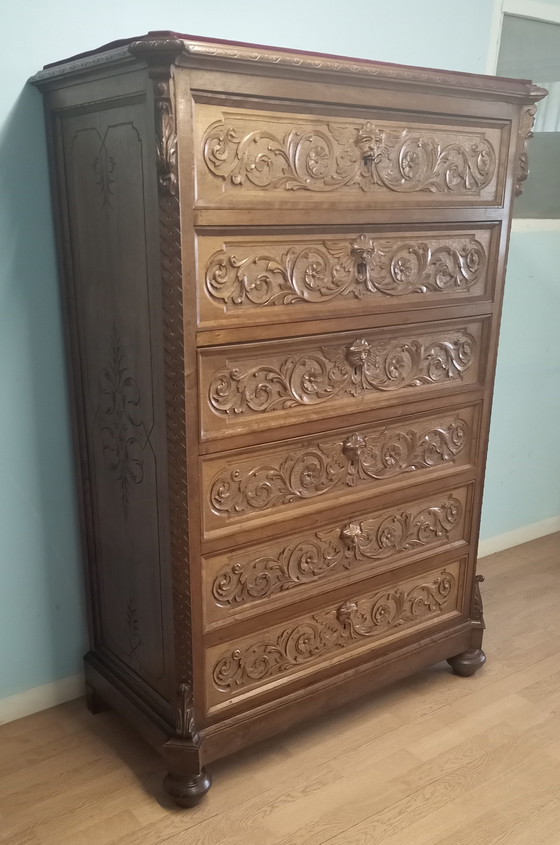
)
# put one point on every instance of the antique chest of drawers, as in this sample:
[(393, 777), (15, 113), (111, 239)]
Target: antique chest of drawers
[(283, 278)]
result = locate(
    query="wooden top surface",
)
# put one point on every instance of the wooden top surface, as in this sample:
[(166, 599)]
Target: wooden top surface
[(180, 48)]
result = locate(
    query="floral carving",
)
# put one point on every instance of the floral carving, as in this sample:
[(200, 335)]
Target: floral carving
[(321, 468), (336, 550), (315, 637), (119, 419), (363, 366), (132, 628), (327, 270), (326, 156), (103, 167)]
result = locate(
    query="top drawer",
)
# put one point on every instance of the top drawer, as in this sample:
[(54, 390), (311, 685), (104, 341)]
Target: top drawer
[(271, 159)]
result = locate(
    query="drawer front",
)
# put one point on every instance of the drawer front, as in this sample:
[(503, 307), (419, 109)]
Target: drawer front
[(254, 386), (270, 159), (286, 652), (267, 279), (267, 485), (244, 581)]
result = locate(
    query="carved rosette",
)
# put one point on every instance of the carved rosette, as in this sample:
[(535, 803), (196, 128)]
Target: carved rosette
[(324, 157), (327, 270), (322, 634), (316, 377), (337, 550), (322, 468)]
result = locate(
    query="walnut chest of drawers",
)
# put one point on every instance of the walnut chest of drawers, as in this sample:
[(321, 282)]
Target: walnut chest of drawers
[(283, 278)]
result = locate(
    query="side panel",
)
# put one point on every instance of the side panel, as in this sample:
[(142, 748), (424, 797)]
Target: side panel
[(108, 197)]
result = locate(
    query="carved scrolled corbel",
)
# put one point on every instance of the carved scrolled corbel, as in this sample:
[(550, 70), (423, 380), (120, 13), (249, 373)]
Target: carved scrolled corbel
[(525, 133), (526, 124)]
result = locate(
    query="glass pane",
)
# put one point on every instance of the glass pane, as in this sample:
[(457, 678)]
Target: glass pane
[(530, 49)]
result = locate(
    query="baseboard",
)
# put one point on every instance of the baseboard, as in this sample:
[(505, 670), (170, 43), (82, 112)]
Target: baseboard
[(40, 698), (518, 536)]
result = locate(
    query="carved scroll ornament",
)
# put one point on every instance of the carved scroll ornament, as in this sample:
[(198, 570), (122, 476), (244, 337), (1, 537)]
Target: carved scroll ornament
[(344, 548), (327, 156), (325, 467), (360, 367), (324, 633), (321, 271)]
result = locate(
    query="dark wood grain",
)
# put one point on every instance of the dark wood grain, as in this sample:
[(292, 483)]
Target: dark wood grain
[(283, 278)]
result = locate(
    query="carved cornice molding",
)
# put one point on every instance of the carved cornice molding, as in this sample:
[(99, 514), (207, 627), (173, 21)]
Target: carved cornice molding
[(182, 49)]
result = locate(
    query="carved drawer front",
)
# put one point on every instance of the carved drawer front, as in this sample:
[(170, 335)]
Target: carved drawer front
[(267, 485), (243, 280), (252, 579), (261, 385), (361, 623), (273, 158)]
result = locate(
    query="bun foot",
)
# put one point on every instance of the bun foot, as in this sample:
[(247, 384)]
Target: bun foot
[(468, 662), (185, 791)]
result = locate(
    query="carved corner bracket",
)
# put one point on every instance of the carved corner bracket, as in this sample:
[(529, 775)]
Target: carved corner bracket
[(524, 134), (477, 607), (185, 723)]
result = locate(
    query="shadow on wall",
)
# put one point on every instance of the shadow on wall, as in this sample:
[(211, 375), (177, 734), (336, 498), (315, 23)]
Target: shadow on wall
[(40, 539)]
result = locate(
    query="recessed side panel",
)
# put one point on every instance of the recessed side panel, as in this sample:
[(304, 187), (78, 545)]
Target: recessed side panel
[(121, 417)]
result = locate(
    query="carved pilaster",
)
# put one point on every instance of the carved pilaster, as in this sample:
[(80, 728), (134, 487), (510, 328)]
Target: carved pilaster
[(160, 55)]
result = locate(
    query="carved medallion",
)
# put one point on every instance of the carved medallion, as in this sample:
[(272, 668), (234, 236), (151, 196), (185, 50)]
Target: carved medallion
[(322, 634), (327, 552), (326, 156), (324, 270), (363, 366), (323, 467)]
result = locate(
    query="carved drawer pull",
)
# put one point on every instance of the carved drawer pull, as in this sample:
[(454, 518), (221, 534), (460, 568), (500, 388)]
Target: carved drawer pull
[(346, 611), (350, 534), (358, 353)]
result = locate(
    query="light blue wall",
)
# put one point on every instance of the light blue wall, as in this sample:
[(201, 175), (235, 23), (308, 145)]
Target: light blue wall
[(41, 607)]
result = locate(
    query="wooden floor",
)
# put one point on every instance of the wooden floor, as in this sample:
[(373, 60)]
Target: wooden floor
[(434, 760)]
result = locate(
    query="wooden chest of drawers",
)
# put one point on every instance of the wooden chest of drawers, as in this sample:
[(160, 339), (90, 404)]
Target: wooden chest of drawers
[(283, 278)]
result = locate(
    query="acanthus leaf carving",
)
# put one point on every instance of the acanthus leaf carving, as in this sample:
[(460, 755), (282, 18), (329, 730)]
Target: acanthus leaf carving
[(185, 724), (322, 271), (166, 138), (320, 635), (336, 550), (316, 377), (324, 157), (321, 468)]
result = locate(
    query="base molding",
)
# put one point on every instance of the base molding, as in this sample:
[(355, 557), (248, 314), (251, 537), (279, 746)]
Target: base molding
[(518, 536), (41, 698)]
